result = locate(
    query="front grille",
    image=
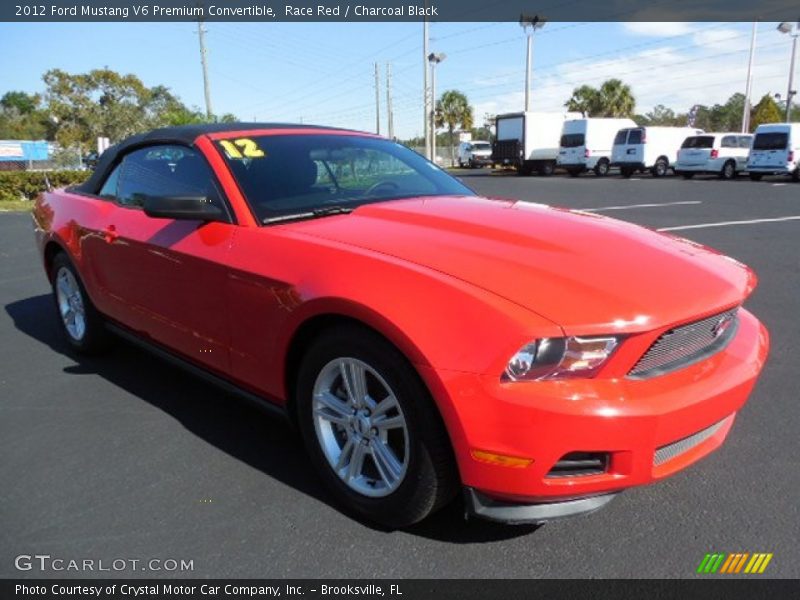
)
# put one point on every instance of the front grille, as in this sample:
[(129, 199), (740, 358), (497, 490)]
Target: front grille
[(687, 344), (675, 449), (577, 464)]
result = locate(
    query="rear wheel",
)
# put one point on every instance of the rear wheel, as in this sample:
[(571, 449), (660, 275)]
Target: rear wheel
[(372, 430), (82, 325), (601, 168), (728, 170), (756, 176), (660, 168)]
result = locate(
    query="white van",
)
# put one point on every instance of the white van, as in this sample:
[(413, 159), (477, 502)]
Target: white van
[(775, 151), (474, 154), (648, 148), (529, 140), (723, 154), (586, 144)]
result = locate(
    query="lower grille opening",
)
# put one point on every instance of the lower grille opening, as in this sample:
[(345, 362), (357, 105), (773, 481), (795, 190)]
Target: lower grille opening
[(578, 464)]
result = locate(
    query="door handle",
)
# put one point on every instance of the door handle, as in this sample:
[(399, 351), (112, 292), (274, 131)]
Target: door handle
[(110, 234)]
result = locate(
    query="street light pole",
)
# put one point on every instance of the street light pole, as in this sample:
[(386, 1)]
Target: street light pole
[(794, 31), (425, 95), (749, 86), (434, 59), (530, 24)]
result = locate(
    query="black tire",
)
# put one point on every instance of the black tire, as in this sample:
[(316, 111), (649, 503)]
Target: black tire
[(471, 164), (602, 167), (756, 176), (685, 174), (431, 478), (661, 168), (626, 172), (95, 337), (728, 170), (547, 168)]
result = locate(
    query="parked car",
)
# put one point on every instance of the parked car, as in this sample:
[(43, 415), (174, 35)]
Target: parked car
[(723, 154), (474, 154), (775, 151), (423, 339), (653, 149), (586, 144), (529, 141)]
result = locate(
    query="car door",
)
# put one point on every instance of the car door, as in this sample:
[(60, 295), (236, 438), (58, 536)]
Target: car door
[(165, 278)]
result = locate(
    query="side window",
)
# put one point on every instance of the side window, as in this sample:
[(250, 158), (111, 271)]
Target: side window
[(745, 141), (165, 171), (729, 141), (635, 136), (109, 189)]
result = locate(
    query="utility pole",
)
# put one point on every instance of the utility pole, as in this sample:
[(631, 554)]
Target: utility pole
[(434, 59), (530, 24), (389, 112), (425, 94), (749, 86), (377, 100), (201, 33)]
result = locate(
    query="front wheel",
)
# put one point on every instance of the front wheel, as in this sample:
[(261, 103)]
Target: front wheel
[(728, 170), (82, 325), (660, 168), (547, 169), (372, 430), (601, 168)]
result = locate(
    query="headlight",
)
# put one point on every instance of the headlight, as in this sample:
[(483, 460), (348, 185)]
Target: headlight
[(551, 358)]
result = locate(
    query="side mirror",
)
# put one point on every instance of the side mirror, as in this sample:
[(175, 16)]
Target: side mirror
[(185, 208)]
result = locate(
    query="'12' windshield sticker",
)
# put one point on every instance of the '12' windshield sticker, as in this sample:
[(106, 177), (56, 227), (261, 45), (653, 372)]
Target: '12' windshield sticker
[(242, 148)]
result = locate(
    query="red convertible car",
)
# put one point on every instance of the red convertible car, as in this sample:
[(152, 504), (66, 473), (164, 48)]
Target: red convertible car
[(424, 340)]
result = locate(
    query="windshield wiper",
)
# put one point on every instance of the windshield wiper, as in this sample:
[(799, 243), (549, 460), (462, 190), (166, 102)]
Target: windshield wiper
[(324, 211)]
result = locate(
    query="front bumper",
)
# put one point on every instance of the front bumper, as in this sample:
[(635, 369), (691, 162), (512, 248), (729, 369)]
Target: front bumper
[(480, 505), (642, 426), (481, 160)]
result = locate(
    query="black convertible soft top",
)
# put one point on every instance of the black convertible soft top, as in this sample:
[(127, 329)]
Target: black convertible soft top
[(182, 134)]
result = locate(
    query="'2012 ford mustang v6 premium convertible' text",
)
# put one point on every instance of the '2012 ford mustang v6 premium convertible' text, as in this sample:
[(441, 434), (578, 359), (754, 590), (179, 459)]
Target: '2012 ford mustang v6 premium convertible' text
[(423, 339)]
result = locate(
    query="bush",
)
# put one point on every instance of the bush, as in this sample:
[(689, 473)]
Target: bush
[(26, 185)]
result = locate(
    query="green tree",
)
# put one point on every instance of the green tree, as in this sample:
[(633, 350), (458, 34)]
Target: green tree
[(613, 99), (20, 101), (452, 111), (766, 111)]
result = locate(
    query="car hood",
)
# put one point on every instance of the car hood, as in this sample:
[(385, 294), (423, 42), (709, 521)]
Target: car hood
[(585, 272)]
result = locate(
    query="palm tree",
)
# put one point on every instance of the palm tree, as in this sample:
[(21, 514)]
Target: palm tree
[(585, 100), (613, 99), (453, 110), (617, 99)]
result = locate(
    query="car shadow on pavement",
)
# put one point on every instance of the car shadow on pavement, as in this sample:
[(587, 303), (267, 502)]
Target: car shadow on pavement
[(263, 441)]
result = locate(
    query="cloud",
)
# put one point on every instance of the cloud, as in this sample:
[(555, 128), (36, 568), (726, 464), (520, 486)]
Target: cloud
[(658, 29)]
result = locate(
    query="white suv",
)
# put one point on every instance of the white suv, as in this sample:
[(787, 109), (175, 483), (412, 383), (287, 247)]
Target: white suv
[(474, 154), (723, 154)]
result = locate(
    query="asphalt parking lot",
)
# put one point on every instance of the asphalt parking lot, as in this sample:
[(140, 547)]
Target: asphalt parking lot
[(123, 457)]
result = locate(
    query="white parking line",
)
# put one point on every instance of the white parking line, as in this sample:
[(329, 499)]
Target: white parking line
[(727, 223), (623, 207)]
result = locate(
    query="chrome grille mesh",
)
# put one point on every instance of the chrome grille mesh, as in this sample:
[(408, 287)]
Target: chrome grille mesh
[(686, 344), (670, 451)]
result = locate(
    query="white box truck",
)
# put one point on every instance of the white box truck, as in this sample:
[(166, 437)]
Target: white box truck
[(648, 148), (775, 151), (586, 144), (529, 140)]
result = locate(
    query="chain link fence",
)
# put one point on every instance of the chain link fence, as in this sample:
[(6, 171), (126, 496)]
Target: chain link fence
[(24, 155)]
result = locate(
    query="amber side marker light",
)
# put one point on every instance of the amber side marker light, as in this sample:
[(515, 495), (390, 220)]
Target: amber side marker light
[(515, 462)]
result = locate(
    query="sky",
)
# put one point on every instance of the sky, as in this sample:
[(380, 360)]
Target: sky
[(323, 73)]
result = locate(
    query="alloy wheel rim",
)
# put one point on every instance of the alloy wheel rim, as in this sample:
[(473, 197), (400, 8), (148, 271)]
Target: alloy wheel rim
[(360, 427), (70, 304)]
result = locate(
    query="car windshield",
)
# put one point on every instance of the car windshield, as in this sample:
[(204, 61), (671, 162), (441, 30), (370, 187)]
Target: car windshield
[(283, 176), (572, 140), (770, 141), (483, 146), (699, 141)]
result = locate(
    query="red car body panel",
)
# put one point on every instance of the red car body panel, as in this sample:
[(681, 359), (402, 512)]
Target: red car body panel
[(458, 284)]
